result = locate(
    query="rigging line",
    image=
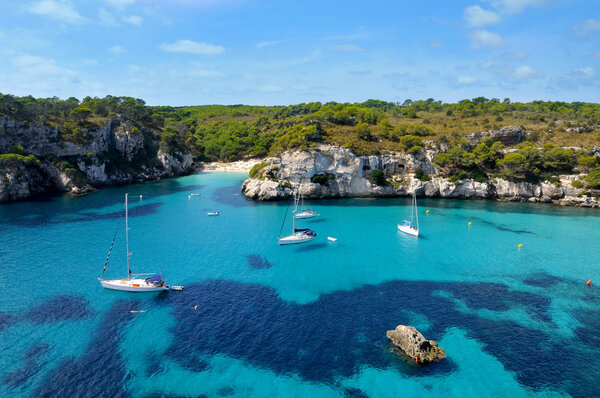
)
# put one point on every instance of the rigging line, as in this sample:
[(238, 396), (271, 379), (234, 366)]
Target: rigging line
[(112, 244), (284, 217)]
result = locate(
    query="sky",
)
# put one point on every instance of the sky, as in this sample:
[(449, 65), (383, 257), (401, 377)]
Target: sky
[(280, 52)]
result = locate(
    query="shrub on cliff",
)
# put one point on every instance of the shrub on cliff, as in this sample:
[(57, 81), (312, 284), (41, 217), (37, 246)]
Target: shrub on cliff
[(422, 175), (14, 159), (256, 169), (377, 177), (322, 179), (593, 179)]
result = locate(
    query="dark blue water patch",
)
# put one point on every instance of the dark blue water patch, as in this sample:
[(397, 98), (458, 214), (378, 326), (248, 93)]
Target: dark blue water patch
[(142, 210), (6, 320), (232, 195), (191, 362), (100, 371), (153, 364), (355, 393), (167, 395), (543, 279), (225, 391), (31, 366), (498, 297), (319, 342), (590, 333), (59, 308), (257, 262)]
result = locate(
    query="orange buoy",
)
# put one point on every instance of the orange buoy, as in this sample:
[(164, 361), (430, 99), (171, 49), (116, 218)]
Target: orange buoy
[(589, 282)]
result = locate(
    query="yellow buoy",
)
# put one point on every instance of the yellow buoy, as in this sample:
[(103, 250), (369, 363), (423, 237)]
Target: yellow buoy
[(427, 212), (520, 245), (469, 223)]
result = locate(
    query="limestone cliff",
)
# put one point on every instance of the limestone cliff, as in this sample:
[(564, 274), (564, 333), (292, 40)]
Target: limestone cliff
[(115, 153), (341, 173)]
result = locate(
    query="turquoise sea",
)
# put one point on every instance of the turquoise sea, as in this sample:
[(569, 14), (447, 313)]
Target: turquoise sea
[(260, 320)]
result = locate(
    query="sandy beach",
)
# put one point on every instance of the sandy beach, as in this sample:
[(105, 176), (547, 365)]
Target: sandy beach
[(240, 165)]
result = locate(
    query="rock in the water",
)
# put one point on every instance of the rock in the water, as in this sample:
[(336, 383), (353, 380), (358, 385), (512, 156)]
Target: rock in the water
[(413, 344)]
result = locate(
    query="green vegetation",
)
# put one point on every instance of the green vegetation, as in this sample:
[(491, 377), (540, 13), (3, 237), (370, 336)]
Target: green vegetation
[(322, 179), (257, 169), (422, 175), (377, 177), (14, 159), (227, 133)]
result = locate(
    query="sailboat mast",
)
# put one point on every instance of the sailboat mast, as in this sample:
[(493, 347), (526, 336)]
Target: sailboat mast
[(127, 237), (416, 211)]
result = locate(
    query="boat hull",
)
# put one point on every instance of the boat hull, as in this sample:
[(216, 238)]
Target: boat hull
[(294, 239), (408, 230), (306, 214), (128, 285)]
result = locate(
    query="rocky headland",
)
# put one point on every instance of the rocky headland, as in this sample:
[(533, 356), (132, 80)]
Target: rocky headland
[(335, 172), (112, 154)]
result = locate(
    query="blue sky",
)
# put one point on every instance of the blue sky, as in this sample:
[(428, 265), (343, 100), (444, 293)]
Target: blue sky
[(189, 52)]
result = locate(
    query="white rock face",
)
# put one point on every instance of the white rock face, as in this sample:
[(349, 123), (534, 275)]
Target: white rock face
[(128, 143), (175, 163), (349, 178)]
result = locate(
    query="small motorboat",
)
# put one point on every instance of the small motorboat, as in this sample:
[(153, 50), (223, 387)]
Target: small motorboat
[(213, 213), (331, 239)]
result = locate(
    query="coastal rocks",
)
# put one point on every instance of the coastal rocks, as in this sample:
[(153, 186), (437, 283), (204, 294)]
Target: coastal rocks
[(175, 163), (129, 143), (114, 153), (21, 182), (333, 172), (412, 343), (510, 135), (265, 190)]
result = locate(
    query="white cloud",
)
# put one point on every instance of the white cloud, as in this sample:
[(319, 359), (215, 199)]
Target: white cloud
[(188, 46), (346, 48), (466, 80), (587, 73), (264, 44), (587, 28), (34, 65), (483, 39), (60, 10), (133, 19), (117, 50), (525, 72), (106, 18), (517, 6), (478, 17)]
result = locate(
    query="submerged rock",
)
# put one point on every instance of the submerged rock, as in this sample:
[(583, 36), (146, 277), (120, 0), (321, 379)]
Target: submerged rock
[(413, 344)]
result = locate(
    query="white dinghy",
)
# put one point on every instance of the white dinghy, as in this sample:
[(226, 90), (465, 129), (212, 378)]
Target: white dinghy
[(137, 283), (408, 227)]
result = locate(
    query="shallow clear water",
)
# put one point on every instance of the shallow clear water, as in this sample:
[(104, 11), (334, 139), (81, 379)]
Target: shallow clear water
[(256, 319)]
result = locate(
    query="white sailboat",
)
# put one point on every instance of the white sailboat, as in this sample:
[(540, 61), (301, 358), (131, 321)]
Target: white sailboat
[(408, 227), (299, 235), (305, 213), (137, 283)]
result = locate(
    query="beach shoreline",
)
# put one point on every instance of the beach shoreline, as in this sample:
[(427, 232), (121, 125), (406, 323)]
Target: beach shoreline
[(237, 166)]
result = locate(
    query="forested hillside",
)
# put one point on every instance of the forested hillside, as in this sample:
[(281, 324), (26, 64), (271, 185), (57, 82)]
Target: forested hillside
[(227, 133)]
